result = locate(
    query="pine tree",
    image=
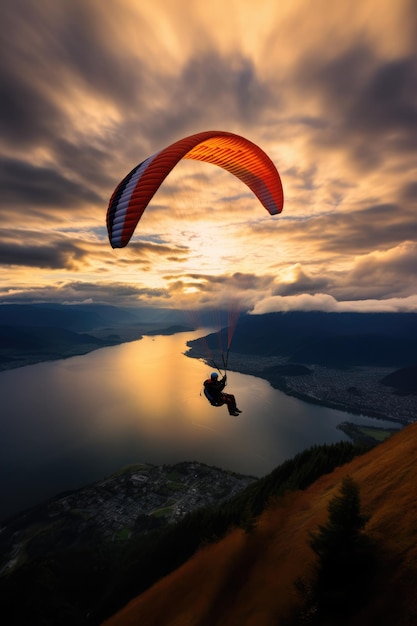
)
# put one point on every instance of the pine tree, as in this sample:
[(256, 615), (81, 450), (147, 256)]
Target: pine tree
[(345, 559)]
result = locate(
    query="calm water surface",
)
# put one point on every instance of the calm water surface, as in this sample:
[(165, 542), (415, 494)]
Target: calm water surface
[(67, 423)]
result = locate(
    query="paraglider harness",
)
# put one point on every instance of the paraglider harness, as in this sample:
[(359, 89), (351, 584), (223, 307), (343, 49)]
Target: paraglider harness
[(212, 401), (217, 401)]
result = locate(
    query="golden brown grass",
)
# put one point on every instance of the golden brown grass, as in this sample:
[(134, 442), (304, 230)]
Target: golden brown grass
[(248, 580)]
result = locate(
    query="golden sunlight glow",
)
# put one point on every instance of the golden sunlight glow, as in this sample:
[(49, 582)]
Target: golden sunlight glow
[(191, 290)]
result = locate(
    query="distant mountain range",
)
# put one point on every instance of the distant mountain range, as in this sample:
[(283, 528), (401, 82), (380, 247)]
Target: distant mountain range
[(331, 339), (31, 333), (83, 317)]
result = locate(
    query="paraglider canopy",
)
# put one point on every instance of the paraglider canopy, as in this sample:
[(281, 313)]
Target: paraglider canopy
[(234, 153)]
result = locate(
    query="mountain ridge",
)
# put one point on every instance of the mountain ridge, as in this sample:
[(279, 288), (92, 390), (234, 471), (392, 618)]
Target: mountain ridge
[(329, 339), (33, 333)]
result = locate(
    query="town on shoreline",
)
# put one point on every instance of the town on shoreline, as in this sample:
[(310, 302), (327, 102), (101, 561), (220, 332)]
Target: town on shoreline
[(355, 390), (134, 500)]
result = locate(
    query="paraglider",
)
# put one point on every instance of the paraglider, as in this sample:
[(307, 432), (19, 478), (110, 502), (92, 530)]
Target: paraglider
[(213, 390), (234, 153)]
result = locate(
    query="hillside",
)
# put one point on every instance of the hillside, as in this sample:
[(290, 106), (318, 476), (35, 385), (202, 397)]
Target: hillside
[(25, 345), (83, 317), (83, 555), (32, 333), (248, 579), (404, 380), (329, 339)]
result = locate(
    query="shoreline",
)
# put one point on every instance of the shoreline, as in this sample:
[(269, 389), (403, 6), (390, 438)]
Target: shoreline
[(104, 338), (339, 406), (356, 390), (323, 386)]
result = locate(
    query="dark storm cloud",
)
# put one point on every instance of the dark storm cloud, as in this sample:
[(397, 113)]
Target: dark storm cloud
[(120, 294), (384, 269), (26, 116), (370, 105), (388, 101), (55, 55), (355, 232), (380, 226), (409, 192), (377, 275), (218, 80), (29, 185), (37, 73), (207, 84), (27, 112), (47, 46), (53, 52), (54, 255), (90, 162)]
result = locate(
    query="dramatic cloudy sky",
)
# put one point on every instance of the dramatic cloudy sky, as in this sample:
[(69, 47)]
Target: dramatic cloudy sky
[(328, 89)]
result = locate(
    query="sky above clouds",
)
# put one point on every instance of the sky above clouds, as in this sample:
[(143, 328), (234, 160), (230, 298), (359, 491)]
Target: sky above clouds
[(327, 89)]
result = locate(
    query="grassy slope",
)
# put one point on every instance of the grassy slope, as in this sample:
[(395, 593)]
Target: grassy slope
[(249, 580)]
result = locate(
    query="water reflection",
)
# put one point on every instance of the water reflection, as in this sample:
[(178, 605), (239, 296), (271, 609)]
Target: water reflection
[(70, 422)]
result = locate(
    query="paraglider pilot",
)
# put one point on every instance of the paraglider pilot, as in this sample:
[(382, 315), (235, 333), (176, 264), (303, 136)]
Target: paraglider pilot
[(213, 390)]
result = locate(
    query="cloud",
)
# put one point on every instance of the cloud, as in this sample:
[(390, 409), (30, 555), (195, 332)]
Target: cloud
[(148, 249), (65, 255), (324, 302), (236, 291), (115, 293), (378, 274), (365, 99), (386, 273), (24, 184), (341, 236), (301, 283)]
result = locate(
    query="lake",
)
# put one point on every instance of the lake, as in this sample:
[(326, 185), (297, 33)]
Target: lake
[(68, 423)]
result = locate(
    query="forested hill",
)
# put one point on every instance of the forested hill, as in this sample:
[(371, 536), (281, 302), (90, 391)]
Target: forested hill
[(31, 333), (82, 317), (267, 576), (330, 339)]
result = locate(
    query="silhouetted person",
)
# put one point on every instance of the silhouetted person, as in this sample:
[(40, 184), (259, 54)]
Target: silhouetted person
[(213, 390)]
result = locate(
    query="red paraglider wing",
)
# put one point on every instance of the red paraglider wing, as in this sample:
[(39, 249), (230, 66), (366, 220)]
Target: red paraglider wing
[(233, 153)]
